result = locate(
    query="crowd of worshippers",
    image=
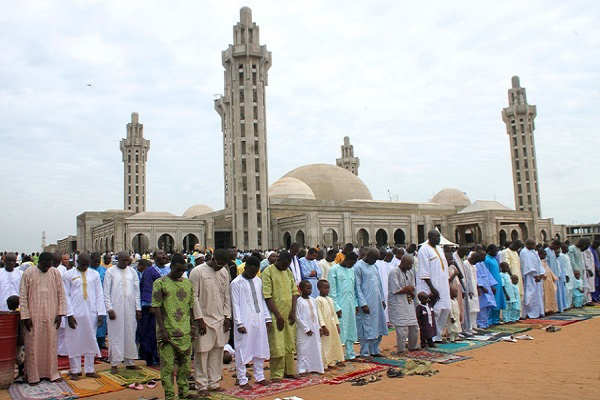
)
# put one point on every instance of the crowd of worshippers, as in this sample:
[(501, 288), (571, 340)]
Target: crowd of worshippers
[(303, 310)]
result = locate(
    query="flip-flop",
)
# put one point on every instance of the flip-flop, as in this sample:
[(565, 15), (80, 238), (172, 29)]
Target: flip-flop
[(524, 337), (136, 386), (360, 382), (151, 384)]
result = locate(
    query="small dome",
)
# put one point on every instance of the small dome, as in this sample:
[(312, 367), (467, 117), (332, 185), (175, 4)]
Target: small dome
[(290, 188), (152, 214), (195, 210), (451, 197), (330, 182)]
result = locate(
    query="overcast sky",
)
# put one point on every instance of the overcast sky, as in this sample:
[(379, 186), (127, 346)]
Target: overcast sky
[(418, 86)]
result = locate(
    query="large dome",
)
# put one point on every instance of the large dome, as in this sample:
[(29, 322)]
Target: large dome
[(330, 182), (451, 197), (198, 209), (290, 188)]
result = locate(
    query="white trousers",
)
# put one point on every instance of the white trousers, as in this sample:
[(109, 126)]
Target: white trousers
[(441, 317), (128, 362), (207, 368), (88, 364), (259, 371)]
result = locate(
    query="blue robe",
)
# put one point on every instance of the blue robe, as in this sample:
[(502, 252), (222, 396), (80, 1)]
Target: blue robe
[(306, 267), (487, 301), (492, 265), (146, 328), (560, 272), (533, 300), (596, 293), (369, 292), (341, 290)]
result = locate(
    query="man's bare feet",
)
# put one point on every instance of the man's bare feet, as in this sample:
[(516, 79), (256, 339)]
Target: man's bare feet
[(74, 377), (132, 367), (203, 393), (217, 389), (292, 376), (114, 370), (92, 375), (247, 386), (264, 382), (340, 364)]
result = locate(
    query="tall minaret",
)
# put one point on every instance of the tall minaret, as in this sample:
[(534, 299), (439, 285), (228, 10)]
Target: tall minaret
[(43, 240), (242, 111), (348, 161), (135, 154), (519, 119)]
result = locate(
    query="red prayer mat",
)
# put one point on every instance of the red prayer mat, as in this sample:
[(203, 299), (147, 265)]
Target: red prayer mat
[(352, 370), (285, 385)]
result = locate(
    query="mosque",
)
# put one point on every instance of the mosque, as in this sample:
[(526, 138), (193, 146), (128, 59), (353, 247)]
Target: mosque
[(317, 204)]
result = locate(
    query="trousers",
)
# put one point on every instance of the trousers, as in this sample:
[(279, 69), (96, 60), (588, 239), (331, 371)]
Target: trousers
[(207, 368), (370, 347), (402, 333), (169, 357)]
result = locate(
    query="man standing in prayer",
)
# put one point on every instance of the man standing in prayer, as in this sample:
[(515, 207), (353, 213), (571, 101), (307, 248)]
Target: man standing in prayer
[(295, 263), (212, 310), (492, 265), (95, 265), (473, 293), (401, 304), (589, 275), (122, 302), (85, 308), (172, 302), (59, 262), (371, 320), (595, 253), (326, 263), (486, 284), (466, 288), (281, 293), (339, 257), (43, 304), (147, 325), (342, 292), (565, 263), (252, 321), (10, 280), (432, 278), (384, 269), (311, 270), (533, 273), (552, 261)]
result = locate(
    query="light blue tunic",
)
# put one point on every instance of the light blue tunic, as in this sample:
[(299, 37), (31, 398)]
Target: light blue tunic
[(486, 280), (560, 272), (369, 292), (306, 267), (341, 290)]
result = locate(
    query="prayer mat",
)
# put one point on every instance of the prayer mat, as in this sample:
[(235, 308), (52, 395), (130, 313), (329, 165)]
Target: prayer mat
[(128, 376), (219, 396), (352, 370), (389, 361), (587, 311), (43, 390), (511, 329), (85, 386), (418, 367), (567, 317), (455, 347), (63, 362), (542, 323), (432, 356), (285, 385)]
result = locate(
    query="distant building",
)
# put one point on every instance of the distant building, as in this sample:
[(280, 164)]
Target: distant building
[(588, 231)]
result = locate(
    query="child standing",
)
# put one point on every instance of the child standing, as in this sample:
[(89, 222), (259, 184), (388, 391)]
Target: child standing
[(13, 305), (331, 345), (308, 340), (578, 291), (401, 305), (509, 294), (515, 306), (426, 320), (453, 324)]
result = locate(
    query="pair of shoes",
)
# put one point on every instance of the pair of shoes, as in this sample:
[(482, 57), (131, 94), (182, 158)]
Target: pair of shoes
[(552, 328), (524, 337), (359, 382), (395, 373), (511, 338), (136, 386)]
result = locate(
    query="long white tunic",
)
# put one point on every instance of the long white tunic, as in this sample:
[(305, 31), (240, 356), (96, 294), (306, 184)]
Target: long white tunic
[(308, 347), (473, 294), (10, 282), (433, 266), (122, 295), (85, 301), (589, 267), (384, 269), (249, 311), (533, 301)]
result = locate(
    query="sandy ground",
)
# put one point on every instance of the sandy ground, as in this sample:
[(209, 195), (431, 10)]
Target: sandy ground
[(561, 365)]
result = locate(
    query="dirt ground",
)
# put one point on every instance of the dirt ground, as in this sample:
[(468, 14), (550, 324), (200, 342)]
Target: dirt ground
[(561, 365)]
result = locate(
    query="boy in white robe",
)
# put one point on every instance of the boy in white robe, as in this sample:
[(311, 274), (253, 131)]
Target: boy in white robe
[(85, 308), (453, 323), (331, 346), (308, 332), (123, 307), (252, 320)]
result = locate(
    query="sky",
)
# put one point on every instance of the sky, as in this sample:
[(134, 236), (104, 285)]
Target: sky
[(417, 86)]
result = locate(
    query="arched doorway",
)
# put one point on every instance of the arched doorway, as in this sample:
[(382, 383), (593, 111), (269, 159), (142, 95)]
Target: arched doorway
[(469, 237), (399, 237), (287, 240), (381, 237), (112, 243), (502, 237), (166, 243), (189, 242), (544, 236), (330, 238), (362, 238), (514, 235), (300, 238), (140, 243)]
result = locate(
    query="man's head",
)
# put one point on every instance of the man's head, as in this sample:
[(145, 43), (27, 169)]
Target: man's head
[(462, 251), (406, 262), (160, 258), (388, 256), (492, 250), (330, 257), (596, 244), (530, 244), (372, 256), (411, 248), (382, 252), (542, 254), (252, 267), (65, 260), (350, 260), (12, 302), (178, 266), (84, 261), (434, 237), (143, 264), (348, 247), (399, 252), (311, 254), (123, 260), (272, 258), (95, 259), (56, 259), (423, 297), (294, 249), (10, 261), (284, 260), (564, 248), (555, 244), (516, 245), (45, 261), (107, 259), (305, 288), (220, 259)]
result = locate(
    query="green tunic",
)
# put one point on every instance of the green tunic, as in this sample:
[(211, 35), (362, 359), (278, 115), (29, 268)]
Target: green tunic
[(175, 299), (281, 287)]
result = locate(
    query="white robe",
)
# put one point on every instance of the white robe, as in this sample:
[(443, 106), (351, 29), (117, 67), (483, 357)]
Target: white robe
[(62, 347), (474, 300), (533, 301), (384, 269), (589, 284), (434, 266), (308, 347), (295, 268), (86, 309), (255, 342), (122, 294), (10, 283)]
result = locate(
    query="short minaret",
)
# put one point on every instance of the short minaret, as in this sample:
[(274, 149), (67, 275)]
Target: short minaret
[(348, 161), (135, 154), (519, 119), (43, 240), (243, 122)]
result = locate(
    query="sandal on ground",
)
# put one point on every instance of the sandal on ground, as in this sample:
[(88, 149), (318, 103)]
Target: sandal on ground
[(552, 328), (395, 373), (136, 386), (360, 382), (524, 337), (151, 384)]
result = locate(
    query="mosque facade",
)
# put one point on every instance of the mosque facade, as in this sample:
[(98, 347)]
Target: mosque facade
[(317, 204)]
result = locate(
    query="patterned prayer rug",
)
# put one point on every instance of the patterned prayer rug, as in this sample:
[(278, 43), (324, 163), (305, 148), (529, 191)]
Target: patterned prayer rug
[(432, 356), (43, 390), (511, 329), (542, 323), (352, 370), (455, 347), (586, 311), (63, 362), (85, 386), (568, 317), (400, 362), (285, 385), (128, 376)]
